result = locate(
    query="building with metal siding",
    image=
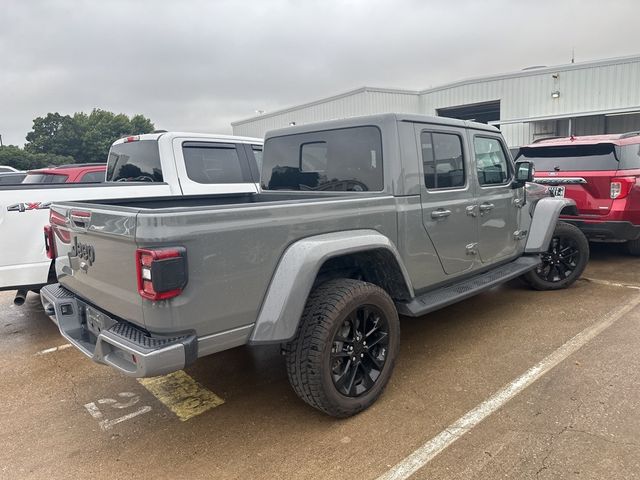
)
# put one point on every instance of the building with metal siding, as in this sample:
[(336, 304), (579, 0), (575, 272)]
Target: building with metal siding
[(578, 98)]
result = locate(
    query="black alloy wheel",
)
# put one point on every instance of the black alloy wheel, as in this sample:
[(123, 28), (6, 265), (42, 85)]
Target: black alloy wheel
[(564, 261), (345, 347), (359, 351)]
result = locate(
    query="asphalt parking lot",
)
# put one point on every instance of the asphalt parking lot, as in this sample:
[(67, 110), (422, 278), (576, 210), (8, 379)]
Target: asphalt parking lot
[(233, 415)]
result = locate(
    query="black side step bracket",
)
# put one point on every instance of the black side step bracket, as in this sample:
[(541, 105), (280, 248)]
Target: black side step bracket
[(443, 296)]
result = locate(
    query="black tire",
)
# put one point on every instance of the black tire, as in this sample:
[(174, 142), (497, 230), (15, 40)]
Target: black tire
[(633, 247), (564, 262), (315, 354)]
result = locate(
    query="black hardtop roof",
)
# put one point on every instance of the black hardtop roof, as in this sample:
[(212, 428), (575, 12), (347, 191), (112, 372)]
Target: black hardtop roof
[(379, 119)]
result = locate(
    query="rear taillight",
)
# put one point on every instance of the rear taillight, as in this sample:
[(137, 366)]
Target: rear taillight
[(49, 244), (59, 225), (621, 186), (162, 272)]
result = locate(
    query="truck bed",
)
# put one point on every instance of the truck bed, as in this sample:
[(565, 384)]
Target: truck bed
[(212, 200)]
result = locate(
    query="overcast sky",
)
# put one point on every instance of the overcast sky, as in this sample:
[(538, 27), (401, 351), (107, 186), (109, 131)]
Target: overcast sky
[(198, 65)]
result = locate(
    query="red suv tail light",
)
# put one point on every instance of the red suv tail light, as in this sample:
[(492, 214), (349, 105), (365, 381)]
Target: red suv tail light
[(162, 272), (621, 186)]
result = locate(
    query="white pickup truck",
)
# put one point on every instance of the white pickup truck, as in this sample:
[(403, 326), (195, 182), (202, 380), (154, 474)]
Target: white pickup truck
[(168, 164)]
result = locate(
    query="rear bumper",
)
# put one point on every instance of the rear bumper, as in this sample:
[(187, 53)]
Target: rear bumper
[(116, 343), (606, 230)]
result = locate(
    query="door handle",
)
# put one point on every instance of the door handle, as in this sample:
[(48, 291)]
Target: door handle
[(485, 207), (471, 210), (440, 213)]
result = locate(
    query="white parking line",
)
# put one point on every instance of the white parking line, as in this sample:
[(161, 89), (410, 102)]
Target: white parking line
[(611, 284), (429, 450), (53, 349)]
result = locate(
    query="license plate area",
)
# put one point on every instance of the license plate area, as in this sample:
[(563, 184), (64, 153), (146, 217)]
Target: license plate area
[(557, 191), (96, 321)]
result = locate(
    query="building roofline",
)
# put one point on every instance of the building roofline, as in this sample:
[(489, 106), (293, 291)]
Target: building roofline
[(459, 83), (326, 100), (535, 71)]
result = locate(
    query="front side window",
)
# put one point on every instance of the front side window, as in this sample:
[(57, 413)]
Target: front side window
[(213, 163), (346, 159), (491, 162), (442, 160)]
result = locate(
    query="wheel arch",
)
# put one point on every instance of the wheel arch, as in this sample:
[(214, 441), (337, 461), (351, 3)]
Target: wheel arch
[(359, 254), (543, 223)]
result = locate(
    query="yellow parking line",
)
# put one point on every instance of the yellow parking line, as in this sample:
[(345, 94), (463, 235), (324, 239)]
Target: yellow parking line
[(181, 394)]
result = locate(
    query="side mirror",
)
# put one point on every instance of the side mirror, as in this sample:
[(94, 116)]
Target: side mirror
[(524, 173)]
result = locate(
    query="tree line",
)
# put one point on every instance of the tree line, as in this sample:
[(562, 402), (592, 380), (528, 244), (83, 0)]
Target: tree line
[(57, 139)]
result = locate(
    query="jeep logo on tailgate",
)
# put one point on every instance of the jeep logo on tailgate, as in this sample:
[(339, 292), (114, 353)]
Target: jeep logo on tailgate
[(83, 250)]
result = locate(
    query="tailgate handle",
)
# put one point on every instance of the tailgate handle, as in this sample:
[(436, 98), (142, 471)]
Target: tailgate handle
[(80, 218)]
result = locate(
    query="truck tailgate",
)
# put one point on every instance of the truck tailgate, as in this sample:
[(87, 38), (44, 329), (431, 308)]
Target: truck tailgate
[(98, 263)]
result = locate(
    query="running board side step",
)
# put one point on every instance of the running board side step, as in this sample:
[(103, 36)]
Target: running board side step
[(444, 296)]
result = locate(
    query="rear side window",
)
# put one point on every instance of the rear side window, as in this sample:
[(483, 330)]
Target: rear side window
[(491, 161), (214, 163), (347, 159), (93, 177), (442, 160), (630, 157), (567, 158), (137, 161), (45, 178)]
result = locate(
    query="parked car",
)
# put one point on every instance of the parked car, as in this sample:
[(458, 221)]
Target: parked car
[(12, 178), (71, 173), (7, 169), (358, 220), (157, 165), (601, 173)]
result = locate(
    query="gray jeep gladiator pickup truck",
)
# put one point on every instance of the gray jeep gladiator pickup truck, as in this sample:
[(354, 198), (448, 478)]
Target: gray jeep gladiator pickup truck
[(357, 221)]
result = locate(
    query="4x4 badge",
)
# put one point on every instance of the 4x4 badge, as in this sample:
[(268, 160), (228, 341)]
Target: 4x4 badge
[(23, 207)]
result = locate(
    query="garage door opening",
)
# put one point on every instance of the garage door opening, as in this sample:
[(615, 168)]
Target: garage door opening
[(478, 112)]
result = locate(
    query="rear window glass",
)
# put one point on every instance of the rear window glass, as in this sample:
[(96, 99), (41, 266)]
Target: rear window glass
[(12, 178), (137, 161), (214, 163), (571, 157), (348, 159), (45, 178)]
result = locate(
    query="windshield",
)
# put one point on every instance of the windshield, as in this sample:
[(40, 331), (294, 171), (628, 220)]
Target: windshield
[(137, 161), (568, 158)]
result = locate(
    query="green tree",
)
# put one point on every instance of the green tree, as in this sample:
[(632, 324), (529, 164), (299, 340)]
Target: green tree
[(85, 138), (23, 160)]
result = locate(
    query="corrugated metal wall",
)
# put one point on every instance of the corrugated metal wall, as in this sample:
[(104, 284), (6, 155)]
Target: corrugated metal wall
[(363, 102), (589, 88)]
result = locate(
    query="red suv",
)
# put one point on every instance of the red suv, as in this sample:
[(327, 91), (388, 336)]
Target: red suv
[(72, 173), (602, 174)]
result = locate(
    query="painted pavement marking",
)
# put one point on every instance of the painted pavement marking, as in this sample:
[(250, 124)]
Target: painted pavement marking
[(54, 349), (433, 447), (181, 394)]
